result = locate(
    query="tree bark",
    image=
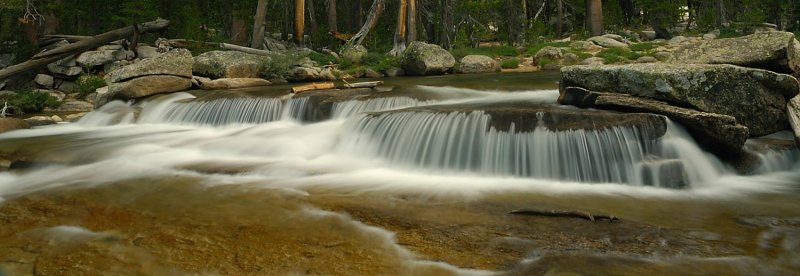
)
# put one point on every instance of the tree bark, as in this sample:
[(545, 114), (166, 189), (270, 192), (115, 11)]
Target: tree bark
[(259, 27), (560, 19), (719, 12), (299, 22), (332, 28), (411, 36), (594, 13), (372, 19), (400, 33), (56, 54), (447, 22), (312, 17), (238, 30)]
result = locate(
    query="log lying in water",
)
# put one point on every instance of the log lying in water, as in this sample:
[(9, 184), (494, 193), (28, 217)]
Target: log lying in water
[(564, 213), (313, 86), (368, 84)]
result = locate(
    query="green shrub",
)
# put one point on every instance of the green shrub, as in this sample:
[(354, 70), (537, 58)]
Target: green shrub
[(345, 64), (386, 63), (278, 67), (580, 54), (31, 102), (546, 61), (510, 63), (87, 84), (322, 58), (730, 32)]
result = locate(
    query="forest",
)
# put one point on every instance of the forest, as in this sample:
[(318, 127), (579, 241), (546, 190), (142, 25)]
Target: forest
[(448, 23)]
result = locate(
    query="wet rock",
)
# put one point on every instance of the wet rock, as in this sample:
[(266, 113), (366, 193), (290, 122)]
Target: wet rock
[(43, 120), (369, 73), (9, 124), (43, 80), (793, 112), (477, 64), (354, 53), (549, 52), (607, 42), (421, 58), (395, 72), (668, 173), (320, 102), (228, 83), (228, 64), (776, 51), (144, 86), (177, 62), (756, 98), (718, 133), (96, 58)]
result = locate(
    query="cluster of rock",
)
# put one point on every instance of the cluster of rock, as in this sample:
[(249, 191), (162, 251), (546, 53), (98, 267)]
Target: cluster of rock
[(723, 91)]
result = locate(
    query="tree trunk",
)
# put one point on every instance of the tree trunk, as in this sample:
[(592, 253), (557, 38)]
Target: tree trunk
[(447, 22), (594, 13), (56, 54), (400, 33), (259, 27), (299, 22), (312, 17), (372, 19), (719, 12), (411, 36), (332, 28), (238, 31), (560, 19)]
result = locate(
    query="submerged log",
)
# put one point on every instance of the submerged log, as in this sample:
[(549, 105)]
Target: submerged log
[(56, 54), (564, 213), (313, 86)]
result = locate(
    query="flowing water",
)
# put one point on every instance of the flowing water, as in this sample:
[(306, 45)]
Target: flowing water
[(187, 183)]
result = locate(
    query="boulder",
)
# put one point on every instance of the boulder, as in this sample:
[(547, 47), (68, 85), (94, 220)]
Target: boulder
[(354, 53), (646, 59), (228, 83), (228, 64), (793, 112), (421, 58), (304, 74), (369, 73), (570, 58), (44, 80), (583, 45), (649, 35), (146, 51), (593, 61), (775, 51), (7, 59), (177, 62), (9, 124), (476, 64), (720, 134), (549, 52), (607, 42), (709, 36), (552, 67), (662, 56), (95, 58), (146, 86), (66, 67), (71, 106), (678, 40), (756, 98), (43, 120), (109, 47), (667, 173)]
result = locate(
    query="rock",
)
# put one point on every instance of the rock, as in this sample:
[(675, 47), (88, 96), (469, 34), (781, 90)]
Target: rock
[(9, 124), (606, 42), (593, 61), (66, 86), (709, 36), (354, 53), (615, 37), (369, 73), (327, 74), (44, 80), (395, 72), (177, 62), (793, 112), (304, 74), (662, 56), (421, 58), (96, 58), (583, 45), (775, 51), (649, 35), (756, 98), (549, 52), (145, 51), (570, 58), (65, 67), (332, 53), (720, 134), (678, 40), (72, 106), (669, 173), (43, 120), (228, 83), (228, 64), (552, 67), (476, 64), (109, 47), (146, 86), (7, 59), (646, 59)]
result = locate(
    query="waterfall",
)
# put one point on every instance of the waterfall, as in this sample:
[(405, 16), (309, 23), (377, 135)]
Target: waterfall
[(465, 143), (349, 108)]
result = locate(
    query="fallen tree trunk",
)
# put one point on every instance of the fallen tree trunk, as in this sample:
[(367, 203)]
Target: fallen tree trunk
[(313, 86), (369, 84), (50, 39), (56, 54), (183, 43)]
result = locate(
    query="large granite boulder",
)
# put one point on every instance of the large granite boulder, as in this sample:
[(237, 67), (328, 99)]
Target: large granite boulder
[(141, 87), (549, 52), (354, 53), (95, 58), (607, 42), (305, 74), (476, 64), (66, 67), (793, 110), (229, 83), (756, 98), (720, 134), (421, 58), (9, 124), (177, 62), (776, 51), (228, 64)]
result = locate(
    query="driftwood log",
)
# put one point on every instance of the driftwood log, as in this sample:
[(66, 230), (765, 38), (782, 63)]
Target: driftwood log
[(313, 86), (564, 213), (368, 84), (183, 43), (56, 54)]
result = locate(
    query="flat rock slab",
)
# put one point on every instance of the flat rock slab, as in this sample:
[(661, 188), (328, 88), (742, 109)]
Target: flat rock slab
[(755, 97), (793, 112), (776, 51), (9, 124), (149, 85), (228, 83), (177, 62)]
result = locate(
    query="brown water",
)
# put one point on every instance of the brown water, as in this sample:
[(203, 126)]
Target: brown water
[(284, 198)]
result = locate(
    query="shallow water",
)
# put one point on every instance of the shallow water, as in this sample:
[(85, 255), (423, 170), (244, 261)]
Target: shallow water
[(233, 186)]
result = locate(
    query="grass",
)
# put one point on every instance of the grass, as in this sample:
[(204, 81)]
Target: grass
[(491, 51), (510, 63), (322, 58), (613, 55), (546, 61), (87, 84), (532, 49), (580, 54), (31, 102), (645, 46), (278, 67), (729, 32)]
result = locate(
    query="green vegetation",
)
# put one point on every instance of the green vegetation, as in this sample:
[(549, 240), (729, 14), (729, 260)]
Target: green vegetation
[(322, 58), (278, 67), (31, 102), (546, 61), (580, 54), (510, 63), (87, 84), (647, 46), (532, 49), (730, 32), (491, 51), (613, 55)]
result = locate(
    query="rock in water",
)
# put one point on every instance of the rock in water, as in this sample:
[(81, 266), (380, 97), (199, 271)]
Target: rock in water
[(9, 124), (228, 83), (177, 62), (776, 51), (421, 58), (476, 64), (715, 132), (793, 110), (147, 85), (756, 98), (228, 64)]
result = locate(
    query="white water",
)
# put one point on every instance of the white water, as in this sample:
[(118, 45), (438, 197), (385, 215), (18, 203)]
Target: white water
[(452, 154)]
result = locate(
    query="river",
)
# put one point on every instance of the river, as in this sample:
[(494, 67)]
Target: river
[(247, 184)]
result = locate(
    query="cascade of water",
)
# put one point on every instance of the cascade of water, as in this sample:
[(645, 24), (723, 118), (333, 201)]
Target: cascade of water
[(222, 111), (346, 109), (115, 112)]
